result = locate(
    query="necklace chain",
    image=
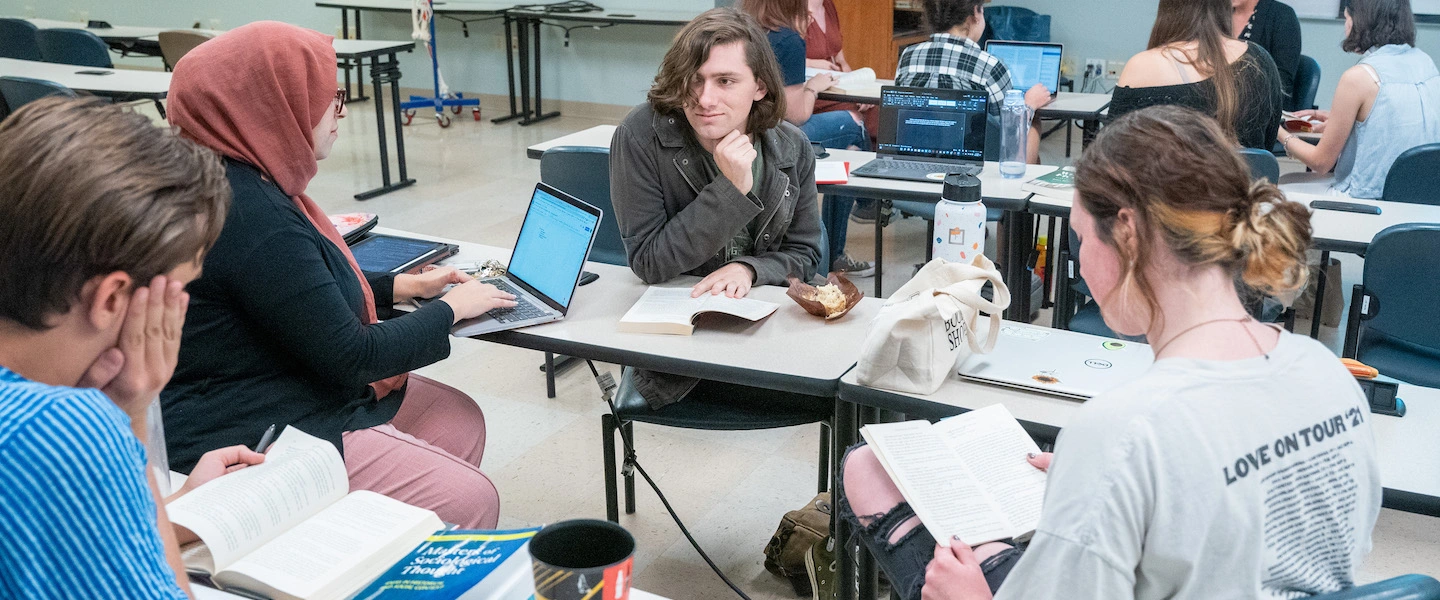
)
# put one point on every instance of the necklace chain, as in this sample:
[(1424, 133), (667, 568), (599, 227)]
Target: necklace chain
[(1241, 320)]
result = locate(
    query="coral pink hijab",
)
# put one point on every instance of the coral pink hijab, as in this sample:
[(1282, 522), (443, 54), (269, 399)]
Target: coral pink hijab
[(255, 94)]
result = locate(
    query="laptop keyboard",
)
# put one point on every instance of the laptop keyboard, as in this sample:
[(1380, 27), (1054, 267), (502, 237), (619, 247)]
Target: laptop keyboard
[(916, 167), (522, 311)]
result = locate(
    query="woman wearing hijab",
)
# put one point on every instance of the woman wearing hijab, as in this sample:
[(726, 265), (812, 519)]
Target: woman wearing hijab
[(282, 327)]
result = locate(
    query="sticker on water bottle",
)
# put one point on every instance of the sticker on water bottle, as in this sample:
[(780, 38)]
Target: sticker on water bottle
[(957, 236)]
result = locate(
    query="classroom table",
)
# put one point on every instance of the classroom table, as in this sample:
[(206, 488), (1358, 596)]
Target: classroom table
[(127, 39), (386, 71), (996, 191), (121, 84), (1332, 230), (1409, 462), (527, 20)]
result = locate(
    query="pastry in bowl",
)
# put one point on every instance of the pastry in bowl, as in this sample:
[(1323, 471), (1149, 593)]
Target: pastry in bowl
[(830, 301)]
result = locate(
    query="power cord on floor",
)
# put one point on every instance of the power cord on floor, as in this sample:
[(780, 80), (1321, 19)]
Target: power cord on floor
[(607, 393)]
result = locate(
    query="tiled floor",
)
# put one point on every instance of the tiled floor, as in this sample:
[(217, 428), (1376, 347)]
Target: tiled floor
[(731, 488)]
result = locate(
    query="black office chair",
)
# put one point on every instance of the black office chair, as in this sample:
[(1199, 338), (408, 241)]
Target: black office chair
[(1404, 587), (73, 47), (19, 91), (1394, 321), (1306, 85), (1414, 176), (718, 407), (1015, 23), (17, 40)]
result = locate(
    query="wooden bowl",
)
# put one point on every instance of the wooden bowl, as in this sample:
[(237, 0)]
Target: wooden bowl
[(802, 293)]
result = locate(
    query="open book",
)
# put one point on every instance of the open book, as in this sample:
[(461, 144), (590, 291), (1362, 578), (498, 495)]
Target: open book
[(673, 311), (1058, 184), (966, 475), (287, 528), (857, 82)]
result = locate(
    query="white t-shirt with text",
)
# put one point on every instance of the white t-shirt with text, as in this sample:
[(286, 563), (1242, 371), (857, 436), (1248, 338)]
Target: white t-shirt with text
[(1210, 479)]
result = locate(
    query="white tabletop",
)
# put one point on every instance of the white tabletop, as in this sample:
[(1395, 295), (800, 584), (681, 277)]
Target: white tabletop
[(648, 16), (1409, 461), (117, 33), (441, 6), (150, 84), (1344, 230), (790, 343), (1076, 102), (992, 185), (345, 48), (595, 137)]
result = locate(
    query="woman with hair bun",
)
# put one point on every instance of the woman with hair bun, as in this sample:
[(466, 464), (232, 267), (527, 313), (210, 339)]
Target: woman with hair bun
[(1241, 465)]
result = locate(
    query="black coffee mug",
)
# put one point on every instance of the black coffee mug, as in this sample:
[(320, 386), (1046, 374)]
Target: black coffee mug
[(582, 559)]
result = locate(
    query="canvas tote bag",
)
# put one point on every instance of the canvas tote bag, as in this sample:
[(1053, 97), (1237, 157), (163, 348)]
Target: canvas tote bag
[(931, 324)]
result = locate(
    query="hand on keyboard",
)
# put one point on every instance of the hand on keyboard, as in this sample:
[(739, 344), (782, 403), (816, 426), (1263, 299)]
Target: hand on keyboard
[(473, 298)]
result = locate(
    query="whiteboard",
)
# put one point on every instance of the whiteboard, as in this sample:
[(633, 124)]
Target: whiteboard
[(1425, 7), (1325, 9)]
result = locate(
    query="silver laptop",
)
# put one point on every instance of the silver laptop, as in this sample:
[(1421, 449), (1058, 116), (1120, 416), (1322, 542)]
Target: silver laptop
[(545, 267), (928, 133), (1055, 361), (1030, 63)]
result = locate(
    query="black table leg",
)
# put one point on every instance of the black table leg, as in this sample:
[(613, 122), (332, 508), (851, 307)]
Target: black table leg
[(1088, 129), (539, 113), (1017, 277), (1045, 301), (879, 245), (510, 68), (522, 36), (1319, 296), (382, 73)]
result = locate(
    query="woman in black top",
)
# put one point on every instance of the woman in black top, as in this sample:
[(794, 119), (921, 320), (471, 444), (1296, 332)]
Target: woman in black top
[(1192, 61), (282, 327), (1273, 26)]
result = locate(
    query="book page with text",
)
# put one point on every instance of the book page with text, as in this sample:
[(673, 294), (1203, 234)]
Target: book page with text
[(238, 512), (745, 308), (338, 551), (993, 445), (946, 497), (663, 305)]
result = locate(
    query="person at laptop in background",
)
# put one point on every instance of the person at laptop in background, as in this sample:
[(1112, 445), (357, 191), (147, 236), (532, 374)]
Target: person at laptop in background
[(843, 129), (707, 179), (1387, 104), (103, 220), (1264, 429), (1193, 61), (952, 59), (283, 325)]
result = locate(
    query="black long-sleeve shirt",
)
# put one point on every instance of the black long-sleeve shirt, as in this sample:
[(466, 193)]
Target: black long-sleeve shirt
[(1275, 28), (275, 334)]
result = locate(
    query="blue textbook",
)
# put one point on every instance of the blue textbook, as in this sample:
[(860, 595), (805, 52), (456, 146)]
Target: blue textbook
[(460, 564)]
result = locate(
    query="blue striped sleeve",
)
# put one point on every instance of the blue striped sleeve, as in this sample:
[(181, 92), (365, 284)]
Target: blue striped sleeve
[(76, 515)]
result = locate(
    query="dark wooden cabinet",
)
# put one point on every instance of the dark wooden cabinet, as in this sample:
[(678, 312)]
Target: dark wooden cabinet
[(876, 31)]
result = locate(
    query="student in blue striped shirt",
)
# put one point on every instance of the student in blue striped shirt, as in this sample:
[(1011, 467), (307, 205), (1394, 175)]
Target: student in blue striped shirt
[(103, 220)]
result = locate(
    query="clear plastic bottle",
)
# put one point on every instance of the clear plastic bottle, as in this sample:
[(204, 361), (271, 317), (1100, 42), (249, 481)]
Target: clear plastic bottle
[(1014, 134)]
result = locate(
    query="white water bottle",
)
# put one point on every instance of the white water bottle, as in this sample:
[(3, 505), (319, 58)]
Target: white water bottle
[(1014, 134), (959, 221)]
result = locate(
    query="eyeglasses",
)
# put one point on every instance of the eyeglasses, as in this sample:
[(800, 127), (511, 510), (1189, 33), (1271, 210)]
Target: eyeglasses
[(339, 102)]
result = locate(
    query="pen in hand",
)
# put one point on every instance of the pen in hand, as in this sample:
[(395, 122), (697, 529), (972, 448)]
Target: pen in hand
[(266, 439)]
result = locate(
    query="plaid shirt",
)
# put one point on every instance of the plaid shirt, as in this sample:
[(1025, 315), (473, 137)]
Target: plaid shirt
[(947, 61)]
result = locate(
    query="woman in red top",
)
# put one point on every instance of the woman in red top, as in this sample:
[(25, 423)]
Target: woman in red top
[(824, 49)]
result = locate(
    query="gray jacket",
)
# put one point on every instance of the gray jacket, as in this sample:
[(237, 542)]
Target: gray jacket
[(675, 218)]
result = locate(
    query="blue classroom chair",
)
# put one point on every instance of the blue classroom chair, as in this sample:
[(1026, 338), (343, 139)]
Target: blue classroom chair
[(1414, 176), (17, 40), (19, 91), (1394, 321), (73, 47)]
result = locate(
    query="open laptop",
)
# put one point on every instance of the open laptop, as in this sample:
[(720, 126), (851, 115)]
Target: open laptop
[(1030, 63), (545, 267), (1055, 361), (928, 133)]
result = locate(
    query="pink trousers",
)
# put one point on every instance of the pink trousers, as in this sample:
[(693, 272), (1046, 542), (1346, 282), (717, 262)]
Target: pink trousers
[(428, 456)]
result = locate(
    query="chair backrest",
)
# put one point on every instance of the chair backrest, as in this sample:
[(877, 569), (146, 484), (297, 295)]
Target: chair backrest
[(1017, 24), (1414, 176), (584, 172), (1399, 265), (176, 44), (1262, 164), (1306, 85), (73, 47), (19, 91), (17, 40), (1404, 587)]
